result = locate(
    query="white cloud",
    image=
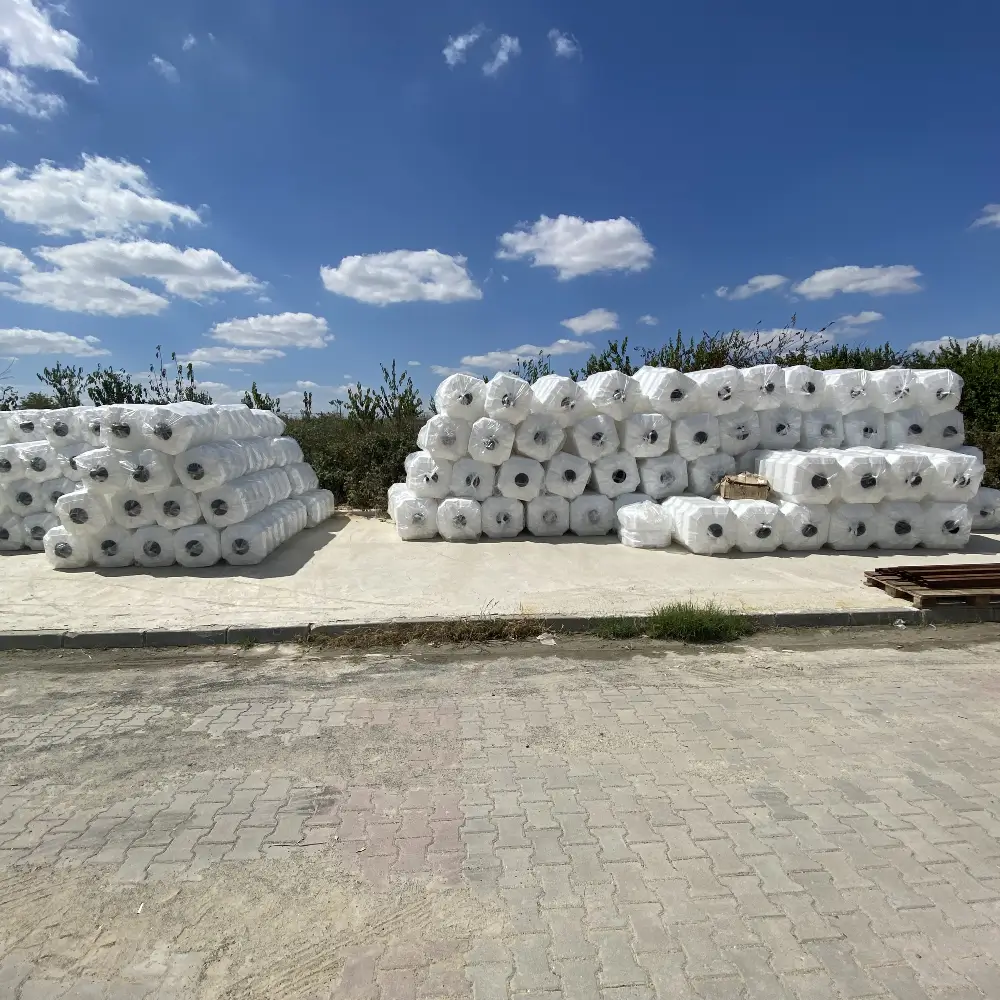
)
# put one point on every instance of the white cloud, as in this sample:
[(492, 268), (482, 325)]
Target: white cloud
[(985, 339), (455, 51), (504, 49), (285, 330), (101, 197), (990, 216), (90, 277), (232, 356), (852, 279), (575, 247), (595, 321), (413, 364), (13, 261), (648, 320), (505, 359), (18, 93), (862, 318), (189, 43), (8, 128), (402, 276), (757, 284), (563, 45), (19, 342), (166, 69)]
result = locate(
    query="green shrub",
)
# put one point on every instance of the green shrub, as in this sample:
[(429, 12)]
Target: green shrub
[(689, 621)]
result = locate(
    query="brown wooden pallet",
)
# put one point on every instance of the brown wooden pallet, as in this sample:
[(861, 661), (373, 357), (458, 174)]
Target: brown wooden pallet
[(929, 597)]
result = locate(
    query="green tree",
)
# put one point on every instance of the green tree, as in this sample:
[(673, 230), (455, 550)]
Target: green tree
[(65, 381), (307, 405), (258, 400), (38, 401), (9, 398), (614, 356), (532, 369), (106, 386), (184, 387)]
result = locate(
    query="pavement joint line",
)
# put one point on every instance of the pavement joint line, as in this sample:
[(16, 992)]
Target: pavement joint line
[(240, 634)]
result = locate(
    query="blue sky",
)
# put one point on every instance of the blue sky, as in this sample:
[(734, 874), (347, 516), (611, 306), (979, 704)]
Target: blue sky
[(294, 192)]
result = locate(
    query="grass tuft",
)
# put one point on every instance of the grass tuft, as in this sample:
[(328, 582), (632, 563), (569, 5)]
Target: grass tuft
[(621, 627), (464, 630), (691, 622)]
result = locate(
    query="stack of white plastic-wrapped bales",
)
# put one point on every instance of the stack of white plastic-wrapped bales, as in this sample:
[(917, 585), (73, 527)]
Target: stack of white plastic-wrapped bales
[(153, 485), (855, 458)]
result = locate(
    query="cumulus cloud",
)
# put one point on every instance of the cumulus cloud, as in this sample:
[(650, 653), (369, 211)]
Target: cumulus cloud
[(563, 45), (285, 330), (648, 320), (18, 93), (504, 49), (575, 247), (984, 339), (166, 69), (457, 48), (990, 216), (412, 364), (862, 318), (497, 360), (17, 341), (402, 276), (757, 284), (100, 197), (595, 321), (232, 356), (189, 43), (852, 279)]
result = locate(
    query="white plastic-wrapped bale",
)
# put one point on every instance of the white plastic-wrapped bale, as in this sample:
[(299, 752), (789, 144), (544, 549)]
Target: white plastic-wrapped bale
[(113, 547), (547, 515), (122, 428), (491, 441), (644, 525), (59, 426), (557, 397), (807, 526), (822, 429), (26, 425), (147, 471), (459, 519), (207, 466), (242, 498), (696, 436), (705, 474), (132, 510), (82, 512), (666, 391), (539, 436), (760, 525), (893, 389), (472, 479), (985, 510), (520, 478), (645, 435), (764, 387), (176, 507), (26, 497), (805, 388), (6, 426), (801, 477), (67, 459), (179, 427), (720, 390), (566, 475), (11, 533), (705, 527), (102, 472), (612, 393), (864, 475), (35, 526), (958, 476), (321, 505), (747, 462), (66, 549), (502, 518), (153, 547), (415, 517), (900, 524), (87, 420), (40, 460), (976, 453), (626, 499), (664, 476), (912, 475), (591, 514), (197, 546), (739, 431), (946, 525), (445, 437), (56, 488), (301, 477), (593, 437), (508, 398), (946, 430), (853, 526), (937, 390), (427, 476), (615, 474), (845, 390), (909, 426), (780, 429), (239, 421), (865, 428), (251, 541), (461, 396)]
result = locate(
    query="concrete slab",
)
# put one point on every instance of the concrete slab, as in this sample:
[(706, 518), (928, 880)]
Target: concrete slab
[(357, 570)]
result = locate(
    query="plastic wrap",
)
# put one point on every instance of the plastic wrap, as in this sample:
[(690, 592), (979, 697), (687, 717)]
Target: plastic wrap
[(11, 533), (491, 441), (59, 426), (911, 475), (197, 546), (102, 470), (66, 549), (539, 436), (864, 475), (251, 541), (946, 525), (11, 464), (427, 476), (764, 387), (626, 499), (644, 525), (132, 510), (502, 518), (6, 427), (591, 514), (67, 460), (704, 474), (899, 525), (907, 427), (645, 435), (720, 390), (462, 396), (865, 428), (853, 526), (846, 390), (445, 437), (547, 515), (473, 480), (40, 461), (415, 517), (179, 427), (893, 389), (937, 390), (616, 474), (801, 477), (321, 505), (822, 429), (706, 527), (153, 547), (459, 519), (301, 477), (82, 512), (25, 497), (612, 393), (35, 526), (56, 488), (520, 478), (112, 547), (210, 465), (805, 388), (739, 431), (508, 398), (122, 427), (946, 430), (239, 421), (664, 476), (26, 425), (957, 476), (593, 438), (780, 429), (696, 436), (666, 391), (555, 396), (242, 498), (176, 507), (566, 475), (87, 424), (985, 510), (147, 471), (807, 526), (760, 525)]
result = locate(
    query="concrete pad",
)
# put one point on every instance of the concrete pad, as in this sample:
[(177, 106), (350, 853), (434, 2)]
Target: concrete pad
[(357, 570)]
